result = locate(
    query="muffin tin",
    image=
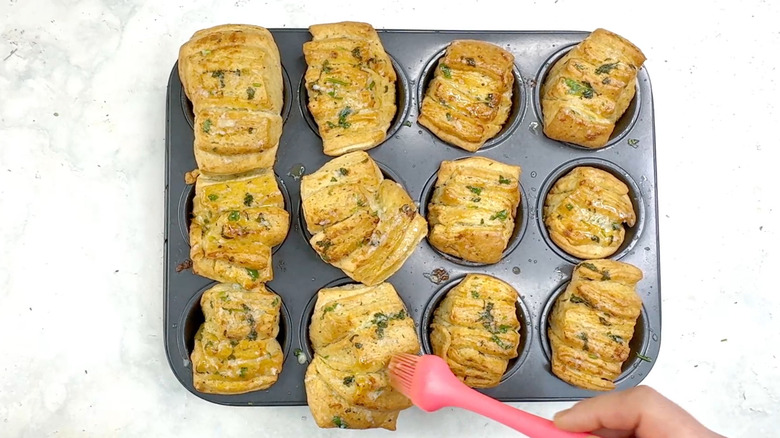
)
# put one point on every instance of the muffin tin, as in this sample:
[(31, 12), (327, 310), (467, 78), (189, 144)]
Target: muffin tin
[(411, 155)]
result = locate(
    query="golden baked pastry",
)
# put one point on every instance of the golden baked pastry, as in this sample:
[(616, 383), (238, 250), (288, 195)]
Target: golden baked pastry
[(475, 329), (355, 330), (473, 208), (589, 88), (236, 350), (470, 96), (585, 210), (361, 223), (237, 220), (350, 81), (592, 323), (233, 76)]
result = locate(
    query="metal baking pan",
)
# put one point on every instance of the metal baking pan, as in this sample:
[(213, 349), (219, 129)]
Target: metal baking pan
[(411, 155)]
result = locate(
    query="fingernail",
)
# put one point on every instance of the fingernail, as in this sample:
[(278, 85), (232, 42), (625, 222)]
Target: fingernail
[(560, 414)]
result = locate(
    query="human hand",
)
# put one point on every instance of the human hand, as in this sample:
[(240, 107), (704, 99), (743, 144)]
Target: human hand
[(639, 412)]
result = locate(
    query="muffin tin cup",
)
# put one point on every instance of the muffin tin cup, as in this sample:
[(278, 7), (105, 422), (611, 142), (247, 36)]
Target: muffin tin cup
[(515, 114), (403, 100), (521, 223), (411, 156), (526, 335), (186, 205), (632, 234), (638, 344), (623, 124)]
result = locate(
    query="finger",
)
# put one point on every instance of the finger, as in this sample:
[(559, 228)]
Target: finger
[(607, 433), (641, 410)]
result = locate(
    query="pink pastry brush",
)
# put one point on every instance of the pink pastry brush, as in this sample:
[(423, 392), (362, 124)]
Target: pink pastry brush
[(430, 385)]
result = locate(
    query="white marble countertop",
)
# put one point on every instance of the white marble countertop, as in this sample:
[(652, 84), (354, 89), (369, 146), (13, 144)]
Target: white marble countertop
[(82, 121)]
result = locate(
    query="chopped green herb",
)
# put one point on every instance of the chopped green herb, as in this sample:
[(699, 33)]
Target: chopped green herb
[(205, 52), (248, 198), (349, 380), (206, 126), (502, 180), (333, 179), (569, 206), (606, 81), (242, 371), (234, 216), (220, 74), (331, 125), (324, 244), (338, 422), (371, 85), (475, 190), (501, 215), (604, 321), (326, 67), (275, 302), (245, 308), (615, 338), (615, 226), (250, 93), (584, 337), (257, 84), (482, 221), (213, 197), (595, 239), (231, 357), (449, 116), (361, 203), (330, 308), (606, 68), (605, 275), (633, 142), (337, 81), (494, 337), (300, 355), (576, 299), (343, 114), (356, 53), (476, 199), (582, 89), (253, 273), (408, 124), (343, 171), (358, 345), (445, 70), (250, 129), (474, 294), (643, 357), (333, 95), (470, 61), (592, 356), (590, 266), (253, 332)]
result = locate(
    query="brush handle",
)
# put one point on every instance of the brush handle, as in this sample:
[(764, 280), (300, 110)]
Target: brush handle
[(533, 426)]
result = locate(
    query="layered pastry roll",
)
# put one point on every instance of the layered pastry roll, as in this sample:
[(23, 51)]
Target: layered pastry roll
[(585, 210), (236, 222), (473, 208), (236, 350), (361, 223), (355, 330), (350, 81), (476, 330), (233, 76), (470, 97), (589, 88), (592, 323)]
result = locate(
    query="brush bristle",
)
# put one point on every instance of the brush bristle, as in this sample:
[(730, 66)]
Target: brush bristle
[(402, 367)]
